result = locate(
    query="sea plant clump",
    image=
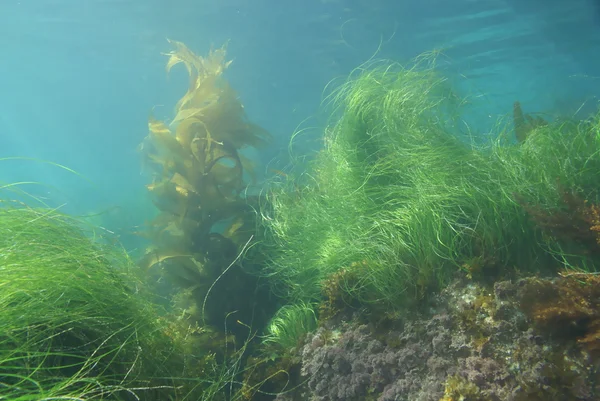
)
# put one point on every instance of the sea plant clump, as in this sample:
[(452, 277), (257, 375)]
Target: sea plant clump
[(398, 202), (290, 325), (393, 196), (75, 321), (553, 176), (200, 178)]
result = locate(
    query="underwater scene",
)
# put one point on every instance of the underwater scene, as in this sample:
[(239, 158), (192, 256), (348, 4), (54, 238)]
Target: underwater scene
[(320, 200)]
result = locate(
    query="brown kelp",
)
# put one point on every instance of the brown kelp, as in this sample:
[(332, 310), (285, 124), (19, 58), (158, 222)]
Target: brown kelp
[(525, 123), (199, 186)]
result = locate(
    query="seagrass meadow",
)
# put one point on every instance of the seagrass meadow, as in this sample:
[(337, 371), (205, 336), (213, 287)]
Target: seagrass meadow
[(344, 278), (399, 200)]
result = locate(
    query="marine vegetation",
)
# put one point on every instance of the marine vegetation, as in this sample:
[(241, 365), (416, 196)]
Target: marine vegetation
[(553, 176), (290, 325), (399, 200), (274, 367), (567, 307), (398, 257), (525, 123), (200, 187), (75, 319), (398, 204)]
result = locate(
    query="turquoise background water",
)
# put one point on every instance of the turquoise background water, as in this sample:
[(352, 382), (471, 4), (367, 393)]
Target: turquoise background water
[(78, 78)]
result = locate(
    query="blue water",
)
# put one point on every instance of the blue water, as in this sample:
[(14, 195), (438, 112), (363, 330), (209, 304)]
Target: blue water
[(78, 78)]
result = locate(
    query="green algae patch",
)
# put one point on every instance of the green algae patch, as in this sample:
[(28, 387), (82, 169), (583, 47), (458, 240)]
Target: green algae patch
[(74, 319), (400, 200)]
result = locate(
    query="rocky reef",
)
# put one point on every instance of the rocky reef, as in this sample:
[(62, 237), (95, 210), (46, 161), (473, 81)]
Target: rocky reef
[(527, 339)]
